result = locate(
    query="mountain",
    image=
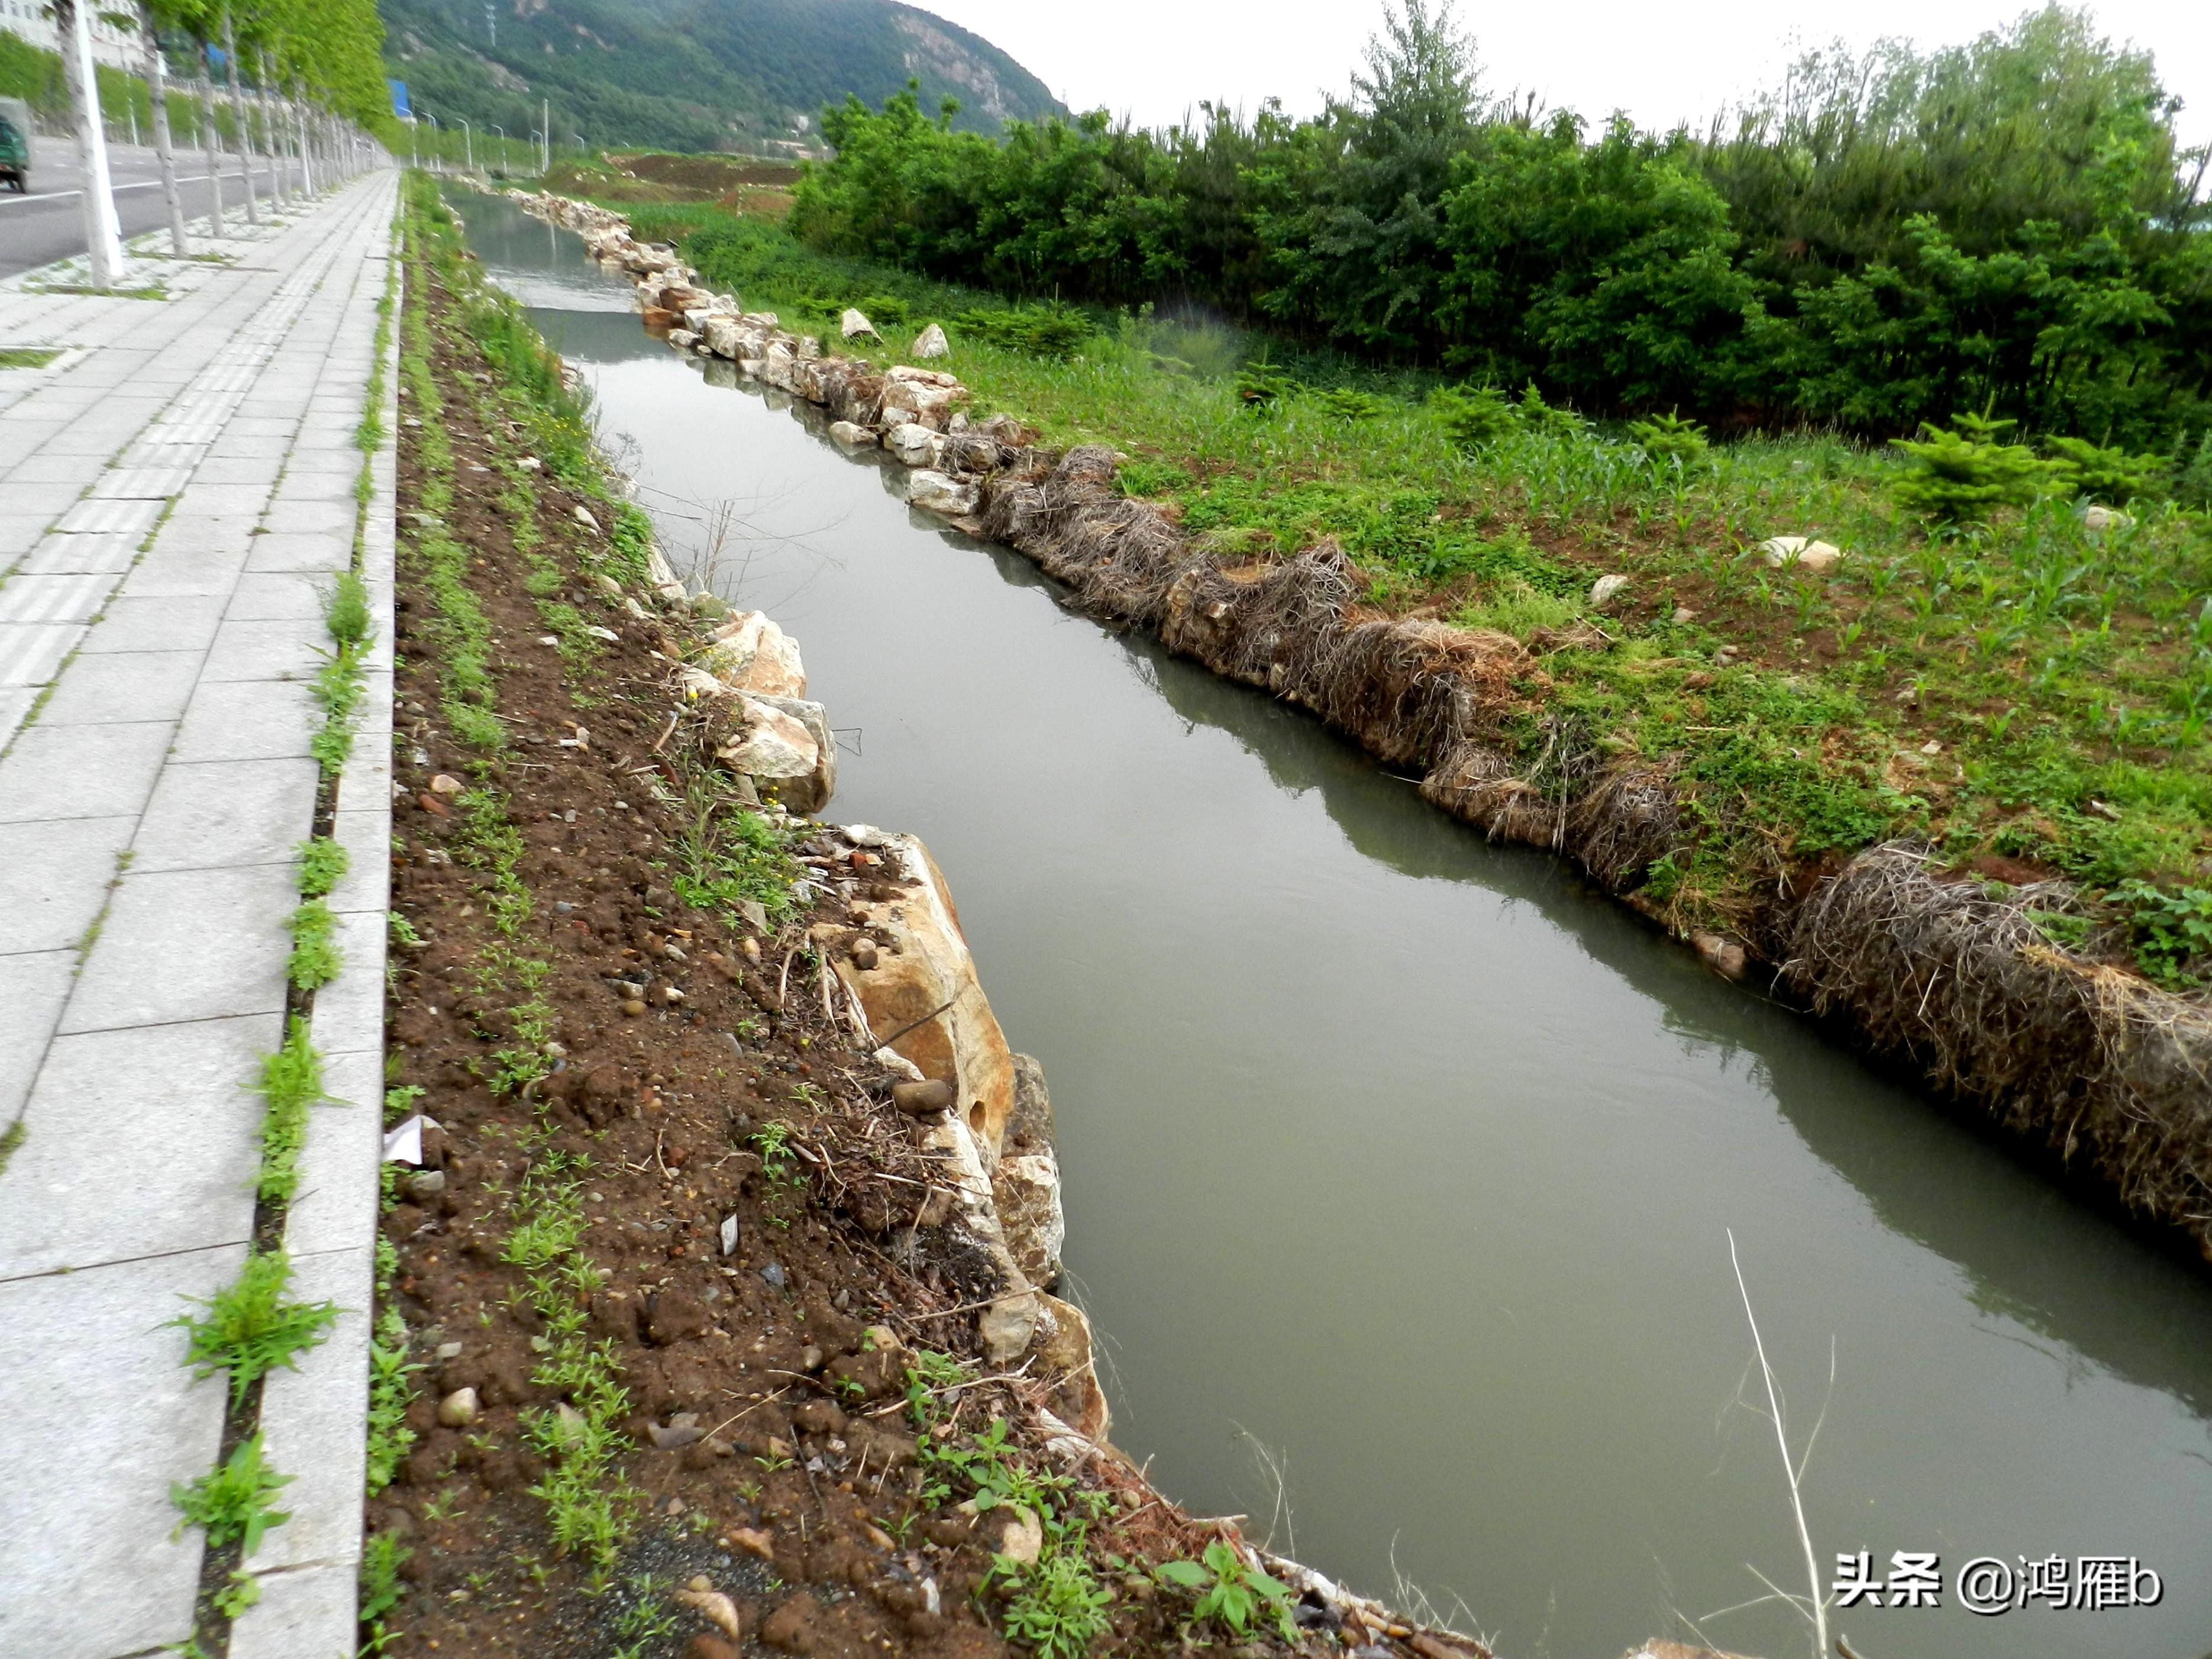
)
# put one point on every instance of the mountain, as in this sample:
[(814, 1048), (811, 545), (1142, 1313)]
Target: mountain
[(693, 75)]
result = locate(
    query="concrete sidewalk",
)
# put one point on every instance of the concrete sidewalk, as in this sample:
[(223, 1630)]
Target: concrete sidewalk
[(176, 492)]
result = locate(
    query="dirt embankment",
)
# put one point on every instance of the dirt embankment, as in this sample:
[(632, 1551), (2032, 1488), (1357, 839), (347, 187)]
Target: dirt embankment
[(698, 1332), (2079, 1064)]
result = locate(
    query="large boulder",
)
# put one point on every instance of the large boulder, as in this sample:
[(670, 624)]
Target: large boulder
[(750, 653), (923, 987), (1026, 1182), (783, 745), (931, 344), (854, 323), (852, 435), (912, 445), (933, 492)]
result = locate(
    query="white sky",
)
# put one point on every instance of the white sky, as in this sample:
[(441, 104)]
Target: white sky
[(1154, 59)]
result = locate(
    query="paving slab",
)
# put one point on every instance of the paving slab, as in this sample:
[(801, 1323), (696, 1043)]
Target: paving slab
[(304, 1614), (326, 552), (221, 814), (285, 647), (33, 598), (124, 687), (62, 555), (247, 721), (129, 1111), (31, 653), (32, 988), (310, 1419), (103, 1418), (54, 877), (82, 771), (187, 945)]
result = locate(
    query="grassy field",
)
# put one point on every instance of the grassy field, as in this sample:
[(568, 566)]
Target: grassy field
[(2019, 688)]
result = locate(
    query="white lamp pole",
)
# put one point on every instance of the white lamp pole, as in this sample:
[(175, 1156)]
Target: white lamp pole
[(103, 234)]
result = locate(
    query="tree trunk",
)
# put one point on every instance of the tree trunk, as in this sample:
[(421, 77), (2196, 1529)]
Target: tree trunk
[(157, 90), (272, 135), (306, 164), (103, 238), (211, 143), (238, 115)]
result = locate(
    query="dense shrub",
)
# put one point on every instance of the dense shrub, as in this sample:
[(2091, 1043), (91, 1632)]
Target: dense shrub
[(2002, 225)]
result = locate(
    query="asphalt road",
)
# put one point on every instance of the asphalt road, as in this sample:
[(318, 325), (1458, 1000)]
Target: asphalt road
[(48, 223)]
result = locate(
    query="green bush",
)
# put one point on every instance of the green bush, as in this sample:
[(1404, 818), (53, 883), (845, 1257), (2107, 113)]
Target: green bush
[(1475, 417), (1670, 438), (2080, 468), (2173, 930), (1963, 474), (1054, 332)]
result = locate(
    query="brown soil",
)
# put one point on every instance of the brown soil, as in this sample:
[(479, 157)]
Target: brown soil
[(801, 1499)]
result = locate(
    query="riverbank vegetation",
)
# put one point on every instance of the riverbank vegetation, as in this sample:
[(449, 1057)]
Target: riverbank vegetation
[(2008, 661)]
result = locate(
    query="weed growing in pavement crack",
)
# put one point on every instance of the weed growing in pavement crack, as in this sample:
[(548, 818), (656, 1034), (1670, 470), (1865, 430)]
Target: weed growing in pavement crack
[(316, 959), (248, 1328), (291, 1081), (231, 1503), (323, 864)]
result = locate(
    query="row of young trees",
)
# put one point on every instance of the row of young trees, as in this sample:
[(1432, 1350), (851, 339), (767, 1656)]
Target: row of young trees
[(317, 100), (1889, 237)]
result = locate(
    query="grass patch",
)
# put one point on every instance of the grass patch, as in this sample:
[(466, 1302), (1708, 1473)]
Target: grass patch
[(27, 356)]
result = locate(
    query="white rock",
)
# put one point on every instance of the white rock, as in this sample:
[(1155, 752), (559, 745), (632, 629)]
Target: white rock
[(855, 322), (906, 375), (1023, 1538), (774, 747), (584, 518), (913, 444), (750, 653), (459, 1409), (932, 343), (682, 339), (850, 433), (933, 492), (2097, 518), (1801, 552), (723, 336), (1606, 589)]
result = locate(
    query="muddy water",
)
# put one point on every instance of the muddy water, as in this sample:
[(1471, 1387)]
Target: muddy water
[(1410, 1160)]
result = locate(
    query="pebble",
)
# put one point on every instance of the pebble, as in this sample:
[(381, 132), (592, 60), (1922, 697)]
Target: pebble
[(864, 953), (562, 906), (449, 1350), (810, 1358), (445, 784), (459, 1409), (584, 518), (633, 1006), (923, 1099), (1684, 614), (427, 1183), (751, 948), (729, 1235), (773, 1274)]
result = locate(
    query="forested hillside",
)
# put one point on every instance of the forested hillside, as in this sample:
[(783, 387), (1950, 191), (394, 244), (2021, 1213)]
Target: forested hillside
[(1889, 239), (693, 73)]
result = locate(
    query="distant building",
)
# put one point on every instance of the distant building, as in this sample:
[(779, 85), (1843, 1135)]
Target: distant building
[(117, 48)]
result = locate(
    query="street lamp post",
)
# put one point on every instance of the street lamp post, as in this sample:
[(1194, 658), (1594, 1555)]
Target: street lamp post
[(468, 141), (501, 132)]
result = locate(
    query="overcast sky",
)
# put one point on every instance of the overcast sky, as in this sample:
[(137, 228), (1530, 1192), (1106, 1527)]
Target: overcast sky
[(1155, 59)]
